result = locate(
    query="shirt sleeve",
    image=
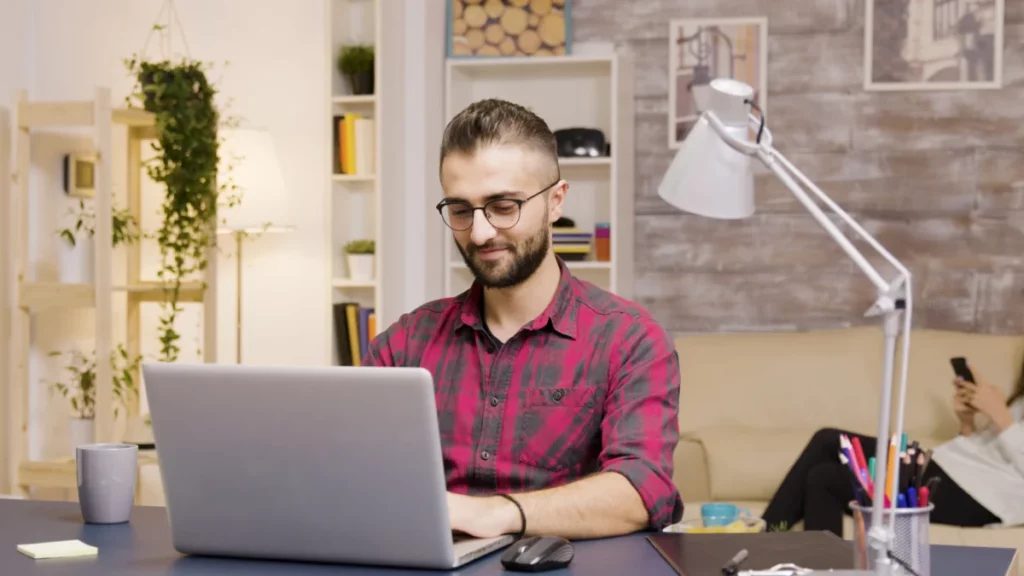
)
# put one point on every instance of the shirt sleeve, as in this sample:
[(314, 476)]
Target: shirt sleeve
[(387, 349), (1010, 443), (641, 422)]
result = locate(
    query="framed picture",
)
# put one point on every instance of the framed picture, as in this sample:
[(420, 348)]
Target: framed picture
[(701, 49), (502, 28), (933, 44)]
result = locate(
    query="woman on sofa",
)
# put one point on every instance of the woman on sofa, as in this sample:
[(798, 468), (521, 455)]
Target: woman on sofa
[(981, 471)]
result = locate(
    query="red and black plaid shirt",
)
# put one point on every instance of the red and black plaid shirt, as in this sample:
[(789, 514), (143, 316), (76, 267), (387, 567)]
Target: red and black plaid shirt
[(591, 384)]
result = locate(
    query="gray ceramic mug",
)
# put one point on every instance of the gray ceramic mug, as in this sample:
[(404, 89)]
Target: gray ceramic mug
[(106, 481)]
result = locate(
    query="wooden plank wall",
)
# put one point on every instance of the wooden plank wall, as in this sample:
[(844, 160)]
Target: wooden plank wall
[(937, 176)]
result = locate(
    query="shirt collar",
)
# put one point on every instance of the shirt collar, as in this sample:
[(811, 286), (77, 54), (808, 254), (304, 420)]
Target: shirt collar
[(560, 313)]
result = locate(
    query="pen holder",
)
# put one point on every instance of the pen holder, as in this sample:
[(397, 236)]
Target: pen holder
[(910, 538)]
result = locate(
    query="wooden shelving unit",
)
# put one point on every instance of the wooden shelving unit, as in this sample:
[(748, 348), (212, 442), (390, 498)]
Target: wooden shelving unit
[(30, 297), (592, 91), (354, 206)]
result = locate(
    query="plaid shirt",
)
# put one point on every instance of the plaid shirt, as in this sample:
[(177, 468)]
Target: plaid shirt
[(591, 384)]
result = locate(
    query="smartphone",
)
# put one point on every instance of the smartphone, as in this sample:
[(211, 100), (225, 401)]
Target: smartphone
[(960, 368)]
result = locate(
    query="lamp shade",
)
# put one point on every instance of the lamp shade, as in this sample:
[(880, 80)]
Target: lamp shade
[(248, 159), (708, 177)]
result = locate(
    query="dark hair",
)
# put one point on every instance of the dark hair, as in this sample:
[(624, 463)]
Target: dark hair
[(1018, 391), (494, 122)]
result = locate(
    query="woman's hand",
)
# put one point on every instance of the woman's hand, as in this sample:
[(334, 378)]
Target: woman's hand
[(961, 406), (988, 400)]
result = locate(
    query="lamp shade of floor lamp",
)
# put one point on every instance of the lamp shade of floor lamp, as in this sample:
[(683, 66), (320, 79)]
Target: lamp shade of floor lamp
[(712, 175), (250, 167)]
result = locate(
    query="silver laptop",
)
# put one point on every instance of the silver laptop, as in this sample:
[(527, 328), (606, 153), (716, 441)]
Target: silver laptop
[(324, 464)]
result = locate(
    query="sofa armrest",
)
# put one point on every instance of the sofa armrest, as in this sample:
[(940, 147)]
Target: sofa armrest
[(691, 471)]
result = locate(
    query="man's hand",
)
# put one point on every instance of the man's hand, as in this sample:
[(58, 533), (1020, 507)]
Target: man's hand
[(990, 401), (482, 516)]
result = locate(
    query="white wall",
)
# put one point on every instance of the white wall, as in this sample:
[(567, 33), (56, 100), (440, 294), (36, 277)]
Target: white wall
[(274, 79)]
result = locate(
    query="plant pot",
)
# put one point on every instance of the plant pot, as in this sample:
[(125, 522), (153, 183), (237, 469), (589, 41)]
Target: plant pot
[(361, 82), (77, 264), (360, 266), (81, 431)]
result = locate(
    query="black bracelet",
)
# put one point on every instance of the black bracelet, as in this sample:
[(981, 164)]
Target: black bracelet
[(522, 515)]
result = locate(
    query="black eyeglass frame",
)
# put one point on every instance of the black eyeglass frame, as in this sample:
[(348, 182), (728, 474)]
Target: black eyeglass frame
[(520, 201)]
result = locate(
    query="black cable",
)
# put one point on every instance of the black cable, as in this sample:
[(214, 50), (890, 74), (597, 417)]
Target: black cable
[(760, 113)]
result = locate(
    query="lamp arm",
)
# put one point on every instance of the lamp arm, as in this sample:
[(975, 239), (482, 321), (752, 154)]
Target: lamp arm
[(784, 170), (895, 299)]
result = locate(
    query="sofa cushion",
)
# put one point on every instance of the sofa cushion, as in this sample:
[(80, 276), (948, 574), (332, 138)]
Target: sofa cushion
[(769, 379), (748, 463)]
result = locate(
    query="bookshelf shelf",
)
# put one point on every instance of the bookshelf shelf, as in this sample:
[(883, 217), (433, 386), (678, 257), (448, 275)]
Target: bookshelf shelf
[(595, 91), (353, 177), (600, 161), (354, 203), (352, 100), (350, 283)]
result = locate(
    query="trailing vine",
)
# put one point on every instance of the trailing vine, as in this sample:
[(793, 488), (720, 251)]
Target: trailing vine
[(185, 164)]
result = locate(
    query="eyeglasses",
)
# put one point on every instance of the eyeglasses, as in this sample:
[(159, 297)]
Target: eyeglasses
[(502, 213)]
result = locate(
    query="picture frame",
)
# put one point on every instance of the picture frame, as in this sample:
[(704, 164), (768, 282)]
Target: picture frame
[(80, 174), (945, 44), (508, 28), (701, 49)]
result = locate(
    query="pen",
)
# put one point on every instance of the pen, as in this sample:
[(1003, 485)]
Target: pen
[(912, 497), (731, 567)]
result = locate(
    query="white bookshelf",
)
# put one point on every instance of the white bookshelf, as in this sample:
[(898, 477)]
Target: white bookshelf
[(354, 204), (585, 91)]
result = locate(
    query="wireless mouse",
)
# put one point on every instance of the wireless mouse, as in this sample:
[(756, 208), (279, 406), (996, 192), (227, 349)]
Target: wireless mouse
[(537, 554)]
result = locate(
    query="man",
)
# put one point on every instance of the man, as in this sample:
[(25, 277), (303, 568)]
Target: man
[(554, 396)]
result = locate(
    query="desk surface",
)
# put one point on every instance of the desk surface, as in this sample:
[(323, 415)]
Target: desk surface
[(143, 547)]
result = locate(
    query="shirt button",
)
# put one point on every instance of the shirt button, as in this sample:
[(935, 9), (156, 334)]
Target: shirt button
[(485, 455), (557, 395), (494, 401)]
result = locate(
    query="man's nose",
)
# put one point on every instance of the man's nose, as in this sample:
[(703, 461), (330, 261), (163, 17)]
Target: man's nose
[(482, 229)]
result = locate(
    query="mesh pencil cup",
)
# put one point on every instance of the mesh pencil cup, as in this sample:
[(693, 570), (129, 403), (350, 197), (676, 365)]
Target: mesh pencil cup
[(910, 543)]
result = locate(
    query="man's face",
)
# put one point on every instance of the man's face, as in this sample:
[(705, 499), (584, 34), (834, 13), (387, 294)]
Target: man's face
[(503, 257)]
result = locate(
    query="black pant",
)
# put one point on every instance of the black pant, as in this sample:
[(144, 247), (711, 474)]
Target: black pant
[(818, 491)]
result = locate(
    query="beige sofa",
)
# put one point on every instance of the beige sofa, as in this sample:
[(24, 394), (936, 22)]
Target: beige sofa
[(750, 402)]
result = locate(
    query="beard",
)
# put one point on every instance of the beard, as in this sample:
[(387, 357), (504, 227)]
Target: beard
[(515, 267)]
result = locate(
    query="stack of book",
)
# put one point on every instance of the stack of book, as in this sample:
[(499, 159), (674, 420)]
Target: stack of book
[(353, 144), (570, 242), (354, 327)]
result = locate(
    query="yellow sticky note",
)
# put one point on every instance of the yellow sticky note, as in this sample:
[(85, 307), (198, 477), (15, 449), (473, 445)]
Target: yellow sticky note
[(61, 549)]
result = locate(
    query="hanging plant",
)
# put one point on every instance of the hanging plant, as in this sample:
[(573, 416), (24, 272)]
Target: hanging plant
[(185, 164)]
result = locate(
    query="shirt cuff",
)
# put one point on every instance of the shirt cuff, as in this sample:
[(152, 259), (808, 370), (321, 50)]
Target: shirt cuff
[(1011, 441), (659, 494)]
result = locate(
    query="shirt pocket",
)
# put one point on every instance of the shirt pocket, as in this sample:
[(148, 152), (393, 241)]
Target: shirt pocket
[(558, 427)]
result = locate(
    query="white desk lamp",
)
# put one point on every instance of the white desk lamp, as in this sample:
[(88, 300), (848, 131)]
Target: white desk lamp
[(249, 159), (712, 176)]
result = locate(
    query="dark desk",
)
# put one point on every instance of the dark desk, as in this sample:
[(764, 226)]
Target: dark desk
[(142, 547)]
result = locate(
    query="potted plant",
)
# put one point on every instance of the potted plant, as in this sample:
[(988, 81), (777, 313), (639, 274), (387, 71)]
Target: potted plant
[(79, 388), (79, 250), (356, 64), (360, 255)]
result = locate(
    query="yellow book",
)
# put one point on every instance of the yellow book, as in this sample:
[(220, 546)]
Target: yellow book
[(351, 313), (349, 160), (59, 549)]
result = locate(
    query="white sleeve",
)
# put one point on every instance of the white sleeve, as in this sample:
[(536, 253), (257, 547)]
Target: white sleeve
[(1010, 443)]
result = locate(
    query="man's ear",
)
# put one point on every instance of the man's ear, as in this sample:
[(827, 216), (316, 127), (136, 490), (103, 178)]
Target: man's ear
[(557, 200)]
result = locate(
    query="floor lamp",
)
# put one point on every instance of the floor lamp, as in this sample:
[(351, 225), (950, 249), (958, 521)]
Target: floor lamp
[(712, 176), (249, 161)]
